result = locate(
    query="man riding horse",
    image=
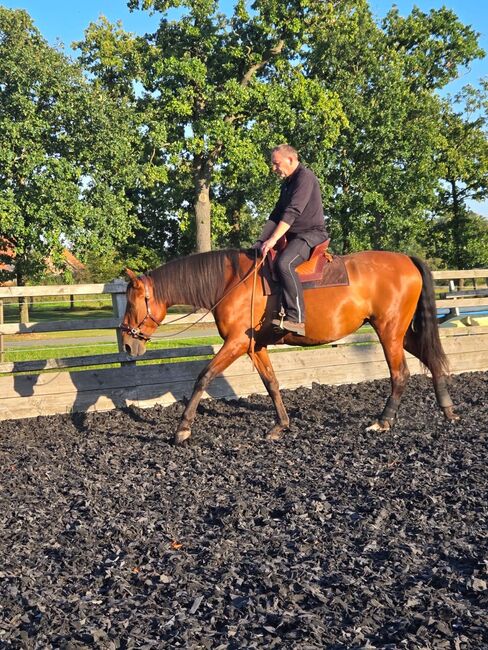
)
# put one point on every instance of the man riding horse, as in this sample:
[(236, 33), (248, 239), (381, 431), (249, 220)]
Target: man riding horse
[(298, 213)]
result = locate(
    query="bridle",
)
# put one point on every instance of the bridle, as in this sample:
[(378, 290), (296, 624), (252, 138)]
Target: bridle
[(136, 332)]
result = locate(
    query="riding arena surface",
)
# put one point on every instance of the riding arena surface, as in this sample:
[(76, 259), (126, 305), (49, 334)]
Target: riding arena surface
[(334, 537)]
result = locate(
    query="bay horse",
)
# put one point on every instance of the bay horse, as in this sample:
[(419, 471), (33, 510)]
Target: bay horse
[(393, 292)]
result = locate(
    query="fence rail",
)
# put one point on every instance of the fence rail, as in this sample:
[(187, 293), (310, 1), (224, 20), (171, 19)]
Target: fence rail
[(48, 386)]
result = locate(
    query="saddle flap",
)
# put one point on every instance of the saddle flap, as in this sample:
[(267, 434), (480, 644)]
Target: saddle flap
[(312, 269), (315, 264)]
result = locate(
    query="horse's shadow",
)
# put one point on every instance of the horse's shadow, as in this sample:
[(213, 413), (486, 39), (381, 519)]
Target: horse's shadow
[(127, 388)]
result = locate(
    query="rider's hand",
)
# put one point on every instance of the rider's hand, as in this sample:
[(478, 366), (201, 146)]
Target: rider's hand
[(267, 246)]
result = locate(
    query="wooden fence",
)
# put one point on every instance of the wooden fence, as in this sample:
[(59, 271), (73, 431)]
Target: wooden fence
[(33, 388)]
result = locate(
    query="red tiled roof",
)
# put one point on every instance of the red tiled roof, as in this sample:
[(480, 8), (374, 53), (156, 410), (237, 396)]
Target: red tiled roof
[(6, 251), (73, 261)]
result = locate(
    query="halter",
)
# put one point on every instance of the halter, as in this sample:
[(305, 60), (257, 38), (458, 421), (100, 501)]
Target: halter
[(136, 332)]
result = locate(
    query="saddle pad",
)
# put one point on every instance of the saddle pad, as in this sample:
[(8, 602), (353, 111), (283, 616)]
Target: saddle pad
[(334, 274)]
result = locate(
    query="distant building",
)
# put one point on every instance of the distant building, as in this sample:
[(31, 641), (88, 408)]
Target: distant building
[(7, 263), (71, 262)]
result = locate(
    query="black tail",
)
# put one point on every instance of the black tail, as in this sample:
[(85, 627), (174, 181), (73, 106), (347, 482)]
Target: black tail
[(424, 325)]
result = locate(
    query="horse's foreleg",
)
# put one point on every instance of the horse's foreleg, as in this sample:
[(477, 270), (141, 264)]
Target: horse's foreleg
[(399, 374), (228, 353), (267, 374)]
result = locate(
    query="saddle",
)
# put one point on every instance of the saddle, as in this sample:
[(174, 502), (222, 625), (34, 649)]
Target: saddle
[(321, 270)]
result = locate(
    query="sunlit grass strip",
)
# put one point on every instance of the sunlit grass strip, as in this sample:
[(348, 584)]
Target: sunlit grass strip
[(46, 352)]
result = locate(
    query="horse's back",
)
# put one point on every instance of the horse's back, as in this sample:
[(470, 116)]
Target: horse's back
[(385, 280), (382, 269), (386, 261)]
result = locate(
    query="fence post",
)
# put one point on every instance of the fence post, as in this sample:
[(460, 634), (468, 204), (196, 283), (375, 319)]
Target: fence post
[(119, 302), (452, 286)]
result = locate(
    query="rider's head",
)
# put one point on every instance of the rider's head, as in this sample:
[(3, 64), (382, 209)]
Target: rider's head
[(284, 160)]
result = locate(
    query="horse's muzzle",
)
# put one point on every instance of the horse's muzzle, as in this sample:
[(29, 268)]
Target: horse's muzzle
[(135, 347)]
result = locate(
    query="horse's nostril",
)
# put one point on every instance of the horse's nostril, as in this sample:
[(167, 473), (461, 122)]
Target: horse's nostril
[(128, 349)]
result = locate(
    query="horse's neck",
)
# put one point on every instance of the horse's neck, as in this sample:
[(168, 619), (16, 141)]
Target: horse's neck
[(199, 281)]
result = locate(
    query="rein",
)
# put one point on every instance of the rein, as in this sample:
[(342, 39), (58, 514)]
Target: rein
[(254, 282), (137, 333)]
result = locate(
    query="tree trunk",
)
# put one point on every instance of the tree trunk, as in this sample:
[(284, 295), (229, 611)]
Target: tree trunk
[(202, 206), (23, 302), (23, 310)]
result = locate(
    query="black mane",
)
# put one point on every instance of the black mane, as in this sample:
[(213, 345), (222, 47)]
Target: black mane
[(196, 280)]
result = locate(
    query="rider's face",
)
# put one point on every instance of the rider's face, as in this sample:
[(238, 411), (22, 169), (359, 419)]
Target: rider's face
[(282, 165)]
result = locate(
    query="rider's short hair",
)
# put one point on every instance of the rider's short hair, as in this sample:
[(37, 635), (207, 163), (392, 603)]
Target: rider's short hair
[(286, 149)]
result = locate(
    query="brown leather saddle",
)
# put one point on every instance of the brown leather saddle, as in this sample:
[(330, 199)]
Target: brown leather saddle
[(321, 270)]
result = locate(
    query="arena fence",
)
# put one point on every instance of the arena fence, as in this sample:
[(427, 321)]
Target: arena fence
[(86, 383)]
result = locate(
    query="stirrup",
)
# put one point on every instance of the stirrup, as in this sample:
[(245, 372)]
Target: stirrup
[(278, 322)]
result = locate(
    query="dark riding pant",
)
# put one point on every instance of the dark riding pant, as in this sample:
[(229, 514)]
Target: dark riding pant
[(297, 251)]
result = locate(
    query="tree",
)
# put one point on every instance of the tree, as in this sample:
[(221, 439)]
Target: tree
[(463, 168), (218, 92), (443, 249), (382, 174), (66, 153)]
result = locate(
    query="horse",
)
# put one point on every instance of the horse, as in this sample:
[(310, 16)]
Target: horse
[(392, 291)]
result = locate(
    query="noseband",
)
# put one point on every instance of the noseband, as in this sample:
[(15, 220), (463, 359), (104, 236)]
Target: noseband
[(136, 332)]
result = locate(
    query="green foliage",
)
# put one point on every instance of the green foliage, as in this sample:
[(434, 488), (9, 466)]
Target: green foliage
[(469, 252), (458, 235), (65, 153), (218, 92), (432, 45), (172, 131), (381, 178)]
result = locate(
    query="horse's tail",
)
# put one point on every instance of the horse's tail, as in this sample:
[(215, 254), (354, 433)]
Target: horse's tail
[(424, 326)]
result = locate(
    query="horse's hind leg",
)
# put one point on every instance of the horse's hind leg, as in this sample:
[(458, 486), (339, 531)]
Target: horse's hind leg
[(228, 353), (439, 379), (399, 374), (268, 377)]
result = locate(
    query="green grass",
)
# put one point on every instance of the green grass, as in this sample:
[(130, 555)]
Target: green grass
[(60, 310), (34, 353), (42, 313)]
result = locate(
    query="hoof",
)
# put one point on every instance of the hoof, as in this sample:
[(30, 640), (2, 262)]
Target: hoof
[(379, 425), (181, 436), (450, 415), (276, 433)]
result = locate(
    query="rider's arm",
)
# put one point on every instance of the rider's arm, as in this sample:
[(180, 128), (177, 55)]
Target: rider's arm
[(267, 231), (280, 229)]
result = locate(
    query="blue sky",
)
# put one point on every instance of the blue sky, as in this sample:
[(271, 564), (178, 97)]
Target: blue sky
[(64, 21)]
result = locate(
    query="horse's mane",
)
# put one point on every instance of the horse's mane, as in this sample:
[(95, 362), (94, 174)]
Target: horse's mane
[(197, 280)]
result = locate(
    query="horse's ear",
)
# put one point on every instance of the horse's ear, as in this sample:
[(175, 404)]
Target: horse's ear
[(131, 274)]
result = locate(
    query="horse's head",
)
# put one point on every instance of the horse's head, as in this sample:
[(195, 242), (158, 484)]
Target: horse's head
[(142, 315)]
